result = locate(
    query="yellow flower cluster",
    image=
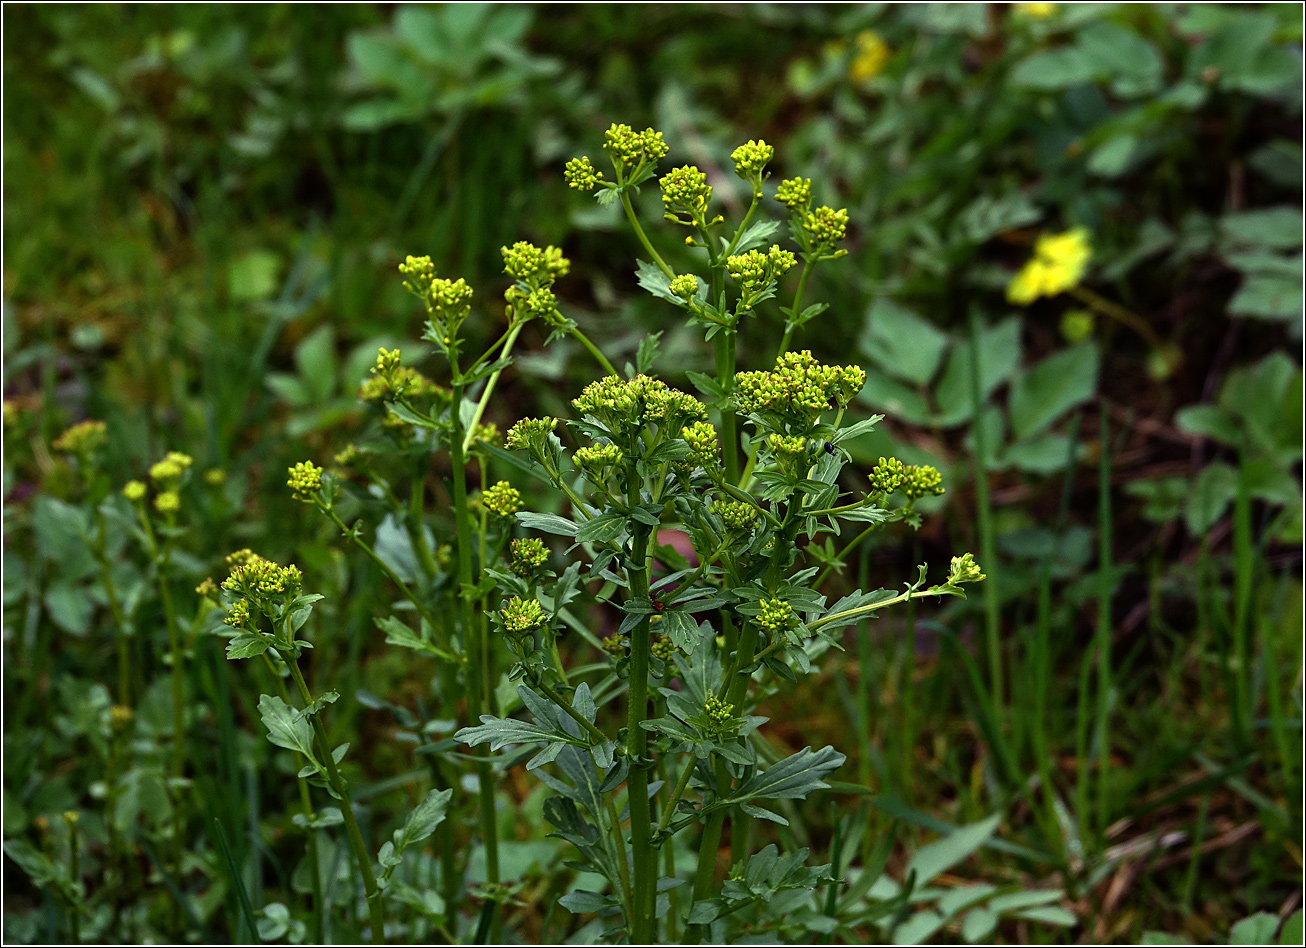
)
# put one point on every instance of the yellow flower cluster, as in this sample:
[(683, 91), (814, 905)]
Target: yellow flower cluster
[(305, 481), (522, 615), (751, 158), (530, 433), (254, 576), (638, 401), (582, 175), (628, 148), (964, 570), (1058, 264), (795, 193), (168, 472), (736, 514), (528, 555), (686, 189), (82, 438), (701, 438), (886, 476), (755, 269), (776, 615), (799, 389), (870, 56), (502, 499)]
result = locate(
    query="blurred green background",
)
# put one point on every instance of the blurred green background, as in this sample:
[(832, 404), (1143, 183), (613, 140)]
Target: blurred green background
[(205, 206)]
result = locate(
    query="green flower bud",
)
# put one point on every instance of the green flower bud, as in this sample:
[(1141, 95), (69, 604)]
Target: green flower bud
[(964, 570), (702, 441), (787, 448), (305, 481), (253, 576), (720, 715), (168, 472), (527, 556), (735, 514), (777, 616), (798, 390), (686, 189), (825, 226), (83, 438), (755, 269), (502, 499), (348, 456), (614, 645), (133, 491), (887, 476), (921, 480), (663, 648), (751, 159), (168, 502), (628, 149), (685, 286), (582, 175), (215, 477), (528, 264), (795, 193), (597, 460), (522, 615), (238, 615), (530, 434)]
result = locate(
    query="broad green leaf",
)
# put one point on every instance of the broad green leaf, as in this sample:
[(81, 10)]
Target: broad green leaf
[(918, 928), (1049, 915), (978, 925), (1208, 421), (1210, 496), (1276, 227), (895, 399), (1052, 388), (945, 853), (900, 343), (1292, 929), (421, 823), (247, 645), (999, 354), (1257, 929), (287, 727), (680, 627)]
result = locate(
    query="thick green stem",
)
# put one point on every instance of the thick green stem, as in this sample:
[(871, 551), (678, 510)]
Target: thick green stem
[(725, 376), (645, 875), (361, 855), (476, 670)]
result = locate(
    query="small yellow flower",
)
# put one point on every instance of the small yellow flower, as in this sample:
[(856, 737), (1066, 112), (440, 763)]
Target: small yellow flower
[(167, 502), (1040, 11), (1058, 264), (870, 56), (133, 490)]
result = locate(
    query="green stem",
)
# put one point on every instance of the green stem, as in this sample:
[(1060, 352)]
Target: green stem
[(476, 671), (489, 388), (115, 610), (575, 715), (743, 226), (361, 855), (725, 376), (645, 875), (681, 786), (808, 264), (643, 238)]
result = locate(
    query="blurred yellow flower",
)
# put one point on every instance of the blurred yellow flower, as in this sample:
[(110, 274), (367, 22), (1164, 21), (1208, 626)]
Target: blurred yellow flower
[(1040, 10), (1058, 264), (870, 56)]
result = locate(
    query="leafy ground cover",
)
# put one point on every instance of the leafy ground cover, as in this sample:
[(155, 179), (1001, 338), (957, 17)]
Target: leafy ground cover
[(1073, 280)]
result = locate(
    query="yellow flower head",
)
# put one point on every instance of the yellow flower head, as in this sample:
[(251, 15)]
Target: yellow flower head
[(870, 56), (1058, 264), (1040, 11)]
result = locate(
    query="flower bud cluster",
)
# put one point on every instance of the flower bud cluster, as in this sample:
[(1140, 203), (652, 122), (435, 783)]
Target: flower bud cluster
[(502, 499), (663, 648), (638, 402), (582, 175), (922, 480), (260, 582), (795, 193), (527, 556), (964, 570), (735, 514), (787, 449), (522, 615), (389, 380), (532, 266), (530, 434), (83, 438), (614, 645), (629, 149), (720, 715), (305, 481), (686, 189), (776, 615), (702, 440), (685, 286), (597, 460), (887, 476), (167, 473), (825, 226), (751, 159), (754, 269), (798, 390), (134, 491)]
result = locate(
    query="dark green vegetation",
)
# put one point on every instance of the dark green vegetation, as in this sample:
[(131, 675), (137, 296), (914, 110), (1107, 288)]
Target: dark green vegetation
[(205, 207)]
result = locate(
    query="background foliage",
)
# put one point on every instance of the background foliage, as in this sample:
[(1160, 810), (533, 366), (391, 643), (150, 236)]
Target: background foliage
[(204, 207)]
